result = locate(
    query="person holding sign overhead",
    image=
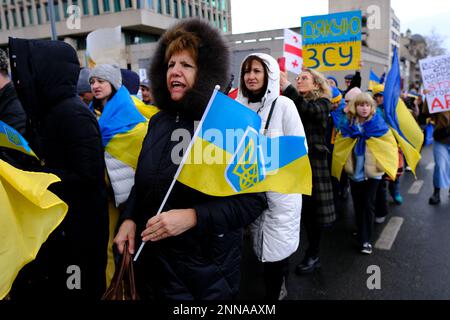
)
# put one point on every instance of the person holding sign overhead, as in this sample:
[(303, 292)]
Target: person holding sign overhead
[(312, 99)]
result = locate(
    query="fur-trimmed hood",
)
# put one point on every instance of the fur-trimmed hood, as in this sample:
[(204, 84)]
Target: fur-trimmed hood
[(213, 69)]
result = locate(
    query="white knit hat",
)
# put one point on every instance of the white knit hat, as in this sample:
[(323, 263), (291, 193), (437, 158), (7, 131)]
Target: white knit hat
[(108, 72)]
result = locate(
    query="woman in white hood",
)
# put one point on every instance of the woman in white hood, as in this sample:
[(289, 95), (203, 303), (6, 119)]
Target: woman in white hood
[(276, 232)]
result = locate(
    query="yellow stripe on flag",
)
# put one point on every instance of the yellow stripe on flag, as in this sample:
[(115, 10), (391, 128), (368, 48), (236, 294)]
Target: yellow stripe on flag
[(146, 110), (206, 172), (385, 151), (127, 146), (342, 150), (28, 214)]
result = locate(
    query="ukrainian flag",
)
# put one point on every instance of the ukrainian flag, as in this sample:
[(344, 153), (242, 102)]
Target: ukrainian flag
[(29, 212), (123, 129), (229, 155), (148, 111), (405, 128), (373, 80), (10, 138)]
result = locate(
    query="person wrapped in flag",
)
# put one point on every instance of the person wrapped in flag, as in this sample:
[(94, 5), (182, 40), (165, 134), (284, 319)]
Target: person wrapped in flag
[(366, 149), (194, 243), (123, 129), (276, 233)]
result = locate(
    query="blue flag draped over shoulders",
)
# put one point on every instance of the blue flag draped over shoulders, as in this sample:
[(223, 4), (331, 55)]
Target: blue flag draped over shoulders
[(120, 115), (375, 127)]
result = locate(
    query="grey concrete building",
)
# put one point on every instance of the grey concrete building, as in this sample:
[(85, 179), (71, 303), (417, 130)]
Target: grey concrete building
[(381, 25), (142, 21), (413, 48)]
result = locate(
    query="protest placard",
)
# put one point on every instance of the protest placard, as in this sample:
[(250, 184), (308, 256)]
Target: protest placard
[(436, 79), (332, 42)]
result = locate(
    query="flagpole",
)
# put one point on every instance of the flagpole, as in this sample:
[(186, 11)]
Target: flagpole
[(183, 161)]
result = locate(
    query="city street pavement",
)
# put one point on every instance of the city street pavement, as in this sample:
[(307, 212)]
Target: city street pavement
[(416, 266)]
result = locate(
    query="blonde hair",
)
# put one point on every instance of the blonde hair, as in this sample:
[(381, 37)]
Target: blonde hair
[(179, 40), (359, 100), (324, 90)]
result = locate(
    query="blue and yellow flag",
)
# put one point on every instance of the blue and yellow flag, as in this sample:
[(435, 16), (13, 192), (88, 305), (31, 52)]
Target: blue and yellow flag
[(229, 155), (373, 80), (148, 111), (123, 130), (10, 138), (405, 128), (376, 136), (28, 214)]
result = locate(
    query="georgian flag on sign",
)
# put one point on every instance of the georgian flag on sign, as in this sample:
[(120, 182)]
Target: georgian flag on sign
[(293, 51)]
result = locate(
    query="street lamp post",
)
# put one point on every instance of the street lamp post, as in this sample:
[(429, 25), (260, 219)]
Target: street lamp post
[(51, 9)]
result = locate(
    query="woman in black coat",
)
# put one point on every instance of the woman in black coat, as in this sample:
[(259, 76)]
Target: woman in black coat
[(66, 137), (194, 245)]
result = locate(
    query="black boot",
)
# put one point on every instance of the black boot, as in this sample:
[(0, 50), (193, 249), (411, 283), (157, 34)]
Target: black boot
[(436, 197), (308, 265)]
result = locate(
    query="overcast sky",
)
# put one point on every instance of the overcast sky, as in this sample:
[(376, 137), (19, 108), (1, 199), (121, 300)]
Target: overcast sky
[(255, 15)]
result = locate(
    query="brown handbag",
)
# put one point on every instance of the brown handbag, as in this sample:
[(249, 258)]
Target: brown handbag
[(122, 285)]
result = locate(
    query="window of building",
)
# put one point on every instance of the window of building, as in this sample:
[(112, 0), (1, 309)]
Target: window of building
[(223, 4), (30, 15), (133, 37), (175, 8), (85, 7), (116, 5), (39, 14), (128, 4), (95, 7), (225, 25), (106, 7), (183, 9), (159, 7), (65, 5), (22, 19), (168, 7)]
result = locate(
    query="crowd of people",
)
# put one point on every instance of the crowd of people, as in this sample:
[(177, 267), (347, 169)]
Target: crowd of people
[(108, 136)]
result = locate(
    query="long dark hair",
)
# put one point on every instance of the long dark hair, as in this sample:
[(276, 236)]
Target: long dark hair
[(246, 65), (97, 104)]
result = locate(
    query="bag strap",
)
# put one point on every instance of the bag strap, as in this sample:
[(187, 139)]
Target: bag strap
[(269, 117)]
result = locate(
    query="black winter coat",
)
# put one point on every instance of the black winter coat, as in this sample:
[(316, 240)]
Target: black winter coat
[(11, 111), (70, 146), (204, 262)]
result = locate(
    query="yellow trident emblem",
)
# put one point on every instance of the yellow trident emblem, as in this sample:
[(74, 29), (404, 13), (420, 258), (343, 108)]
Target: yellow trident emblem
[(246, 169)]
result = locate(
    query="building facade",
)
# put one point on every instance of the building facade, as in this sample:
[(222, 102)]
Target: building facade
[(142, 21), (381, 27)]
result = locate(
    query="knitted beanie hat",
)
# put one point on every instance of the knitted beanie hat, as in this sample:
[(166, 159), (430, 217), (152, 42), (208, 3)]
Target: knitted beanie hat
[(108, 72)]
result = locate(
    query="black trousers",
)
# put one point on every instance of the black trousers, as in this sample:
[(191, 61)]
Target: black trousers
[(274, 273), (312, 228), (381, 209), (364, 195)]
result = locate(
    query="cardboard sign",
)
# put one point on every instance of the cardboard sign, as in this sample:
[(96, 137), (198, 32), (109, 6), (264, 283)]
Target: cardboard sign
[(436, 79), (332, 42)]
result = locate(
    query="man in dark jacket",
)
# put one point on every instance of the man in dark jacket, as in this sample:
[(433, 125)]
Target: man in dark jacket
[(11, 111), (72, 262)]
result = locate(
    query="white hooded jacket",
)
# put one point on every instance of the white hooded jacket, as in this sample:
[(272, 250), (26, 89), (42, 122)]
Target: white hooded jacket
[(276, 232)]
